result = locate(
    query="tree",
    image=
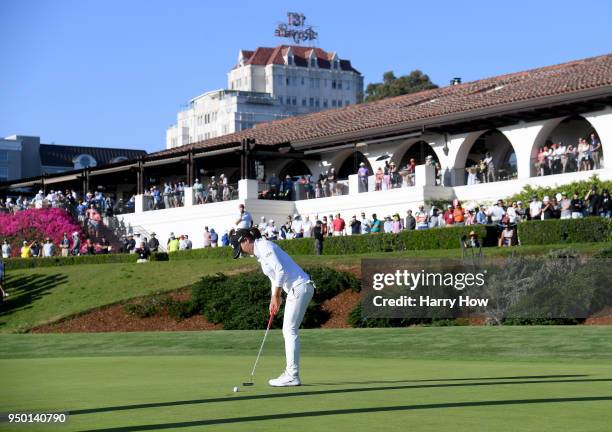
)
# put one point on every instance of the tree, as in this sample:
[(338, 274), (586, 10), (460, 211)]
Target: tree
[(392, 86)]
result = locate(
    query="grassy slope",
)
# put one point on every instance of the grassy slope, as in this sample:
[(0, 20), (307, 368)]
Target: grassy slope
[(420, 379), (44, 295)]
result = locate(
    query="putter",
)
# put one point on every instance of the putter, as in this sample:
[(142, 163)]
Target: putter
[(250, 381)]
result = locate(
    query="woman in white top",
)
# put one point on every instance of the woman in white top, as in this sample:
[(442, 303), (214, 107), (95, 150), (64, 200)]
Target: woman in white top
[(285, 275), (583, 155)]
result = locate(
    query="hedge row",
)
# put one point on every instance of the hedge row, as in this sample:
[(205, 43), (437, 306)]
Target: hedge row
[(437, 238), (558, 231), (21, 263), (555, 231)]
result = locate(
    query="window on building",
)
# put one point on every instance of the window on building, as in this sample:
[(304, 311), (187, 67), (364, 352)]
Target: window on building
[(3, 155), (302, 80), (333, 84), (347, 103), (317, 102), (324, 83), (333, 102), (324, 103), (336, 64), (303, 101), (340, 84), (287, 81), (348, 85), (313, 62), (311, 82), (339, 102), (311, 102), (3, 173), (294, 101)]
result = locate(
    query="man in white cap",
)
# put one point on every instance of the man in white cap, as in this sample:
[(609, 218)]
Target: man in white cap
[(271, 232), (262, 224), (297, 226), (363, 174)]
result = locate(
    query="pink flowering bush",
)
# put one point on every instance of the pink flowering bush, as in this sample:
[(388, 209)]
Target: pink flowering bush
[(36, 224)]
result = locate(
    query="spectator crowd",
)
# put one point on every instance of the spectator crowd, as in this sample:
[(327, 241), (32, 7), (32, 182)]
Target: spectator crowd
[(558, 158)]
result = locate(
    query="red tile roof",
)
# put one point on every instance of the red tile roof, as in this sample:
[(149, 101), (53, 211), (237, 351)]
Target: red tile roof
[(265, 56), (496, 94)]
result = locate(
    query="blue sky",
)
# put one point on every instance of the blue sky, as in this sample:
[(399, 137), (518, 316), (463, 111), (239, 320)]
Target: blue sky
[(114, 73)]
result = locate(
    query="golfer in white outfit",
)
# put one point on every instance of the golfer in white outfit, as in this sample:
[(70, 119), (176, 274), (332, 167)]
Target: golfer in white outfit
[(285, 275)]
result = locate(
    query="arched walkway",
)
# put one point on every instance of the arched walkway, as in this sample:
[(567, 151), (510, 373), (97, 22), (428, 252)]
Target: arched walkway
[(294, 168), (485, 157), (350, 165), (417, 151), (570, 145)]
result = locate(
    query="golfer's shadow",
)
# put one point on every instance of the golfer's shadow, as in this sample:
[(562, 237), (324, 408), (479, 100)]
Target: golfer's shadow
[(402, 385)]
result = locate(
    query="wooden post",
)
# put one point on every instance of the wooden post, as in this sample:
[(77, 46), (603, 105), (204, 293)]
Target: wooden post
[(189, 168)]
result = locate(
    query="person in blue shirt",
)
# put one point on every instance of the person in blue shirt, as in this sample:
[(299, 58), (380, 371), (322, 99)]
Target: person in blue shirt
[(225, 239), (481, 216)]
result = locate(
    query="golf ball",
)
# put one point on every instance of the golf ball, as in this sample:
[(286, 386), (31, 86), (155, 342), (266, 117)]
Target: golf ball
[(236, 389)]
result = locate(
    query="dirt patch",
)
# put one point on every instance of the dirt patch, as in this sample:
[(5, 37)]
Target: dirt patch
[(603, 317), (115, 319), (339, 308)]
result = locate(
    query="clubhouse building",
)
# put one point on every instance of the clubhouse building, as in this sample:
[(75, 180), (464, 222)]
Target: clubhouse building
[(514, 123)]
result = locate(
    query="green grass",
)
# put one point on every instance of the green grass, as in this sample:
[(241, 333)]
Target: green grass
[(418, 379), (47, 294)]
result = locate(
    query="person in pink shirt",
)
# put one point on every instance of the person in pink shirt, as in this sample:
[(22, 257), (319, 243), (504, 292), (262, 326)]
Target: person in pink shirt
[(397, 224), (378, 179), (207, 238)]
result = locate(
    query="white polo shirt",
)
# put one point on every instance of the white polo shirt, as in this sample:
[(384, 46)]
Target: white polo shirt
[(278, 266), (245, 220)]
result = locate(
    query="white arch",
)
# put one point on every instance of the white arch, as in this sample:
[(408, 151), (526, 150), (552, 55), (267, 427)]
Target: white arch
[(404, 146)]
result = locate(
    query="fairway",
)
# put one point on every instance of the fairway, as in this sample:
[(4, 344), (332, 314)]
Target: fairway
[(421, 379)]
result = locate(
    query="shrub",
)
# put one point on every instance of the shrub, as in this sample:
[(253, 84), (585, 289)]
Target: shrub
[(435, 238), (181, 309), (21, 263), (36, 224), (582, 187), (148, 307), (241, 301), (558, 231)]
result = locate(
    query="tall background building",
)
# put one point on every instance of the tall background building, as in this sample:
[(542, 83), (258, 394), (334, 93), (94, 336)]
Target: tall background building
[(269, 84)]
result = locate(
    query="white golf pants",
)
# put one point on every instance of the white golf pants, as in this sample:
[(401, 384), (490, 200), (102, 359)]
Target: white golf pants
[(295, 308)]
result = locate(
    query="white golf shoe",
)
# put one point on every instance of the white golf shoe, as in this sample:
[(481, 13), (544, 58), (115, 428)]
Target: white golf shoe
[(285, 380)]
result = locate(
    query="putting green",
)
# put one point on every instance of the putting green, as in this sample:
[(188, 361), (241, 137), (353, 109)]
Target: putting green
[(109, 382)]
